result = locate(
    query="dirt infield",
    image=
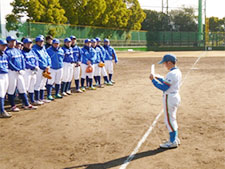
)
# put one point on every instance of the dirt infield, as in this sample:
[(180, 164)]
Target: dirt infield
[(99, 129)]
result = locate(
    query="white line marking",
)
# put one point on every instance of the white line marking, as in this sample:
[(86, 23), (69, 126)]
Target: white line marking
[(131, 156)]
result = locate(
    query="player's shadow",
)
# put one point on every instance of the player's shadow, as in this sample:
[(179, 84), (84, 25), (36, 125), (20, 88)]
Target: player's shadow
[(118, 161)]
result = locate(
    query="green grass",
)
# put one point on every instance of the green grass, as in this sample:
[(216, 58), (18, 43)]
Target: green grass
[(134, 48)]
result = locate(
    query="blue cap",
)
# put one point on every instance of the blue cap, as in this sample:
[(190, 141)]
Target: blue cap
[(168, 57), (18, 42), (3, 42), (106, 40), (73, 37), (10, 38), (98, 39), (87, 40), (55, 41), (27, 40), (39, 39), (67, 40), (93, 41)]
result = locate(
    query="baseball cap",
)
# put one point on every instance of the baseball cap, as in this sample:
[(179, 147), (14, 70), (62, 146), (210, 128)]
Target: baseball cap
[(73, 37), (18, 42), (168, 57), (27, 40), (10, 38), (93, 41), (55, 41), (3, 42), (67, 40), (87, 40), (106, 40), (98, 39), (39, 39)]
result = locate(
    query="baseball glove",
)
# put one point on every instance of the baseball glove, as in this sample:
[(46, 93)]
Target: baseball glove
[(89, 69), (101, 64), (47, 75)]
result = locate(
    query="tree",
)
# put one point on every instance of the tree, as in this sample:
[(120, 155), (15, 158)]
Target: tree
[(156, 21), (183, 19), (37, 11), (216, 24)]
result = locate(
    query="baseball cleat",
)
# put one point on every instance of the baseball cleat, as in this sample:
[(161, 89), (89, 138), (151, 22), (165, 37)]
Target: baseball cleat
[(37, 102), (30, 107), (169, 145), (50, 98), (92, 88), (46, 101), (64, 94), (113, 82), (109, 84), (178, 141), (83, 89), (15, 109), (5, 115), (100, 86), (58, 96), (69, 92), (79, 91)]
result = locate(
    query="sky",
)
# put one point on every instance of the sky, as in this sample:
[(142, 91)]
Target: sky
[(213, 7)]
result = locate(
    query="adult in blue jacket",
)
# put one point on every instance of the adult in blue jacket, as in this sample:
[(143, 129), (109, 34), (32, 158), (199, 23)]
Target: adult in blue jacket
[(68, 64), (57, 55), (4, 81), (110, 55), (88, 57), (77, 61), (16, 75), (31, 65), (44, 62)]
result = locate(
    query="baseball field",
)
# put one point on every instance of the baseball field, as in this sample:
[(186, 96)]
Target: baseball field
[(100, 129)]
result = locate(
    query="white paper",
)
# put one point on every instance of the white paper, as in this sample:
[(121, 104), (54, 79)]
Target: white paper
[(153, 69)]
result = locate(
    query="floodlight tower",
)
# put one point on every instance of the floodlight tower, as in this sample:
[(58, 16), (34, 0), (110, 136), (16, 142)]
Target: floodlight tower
[(200, 28)]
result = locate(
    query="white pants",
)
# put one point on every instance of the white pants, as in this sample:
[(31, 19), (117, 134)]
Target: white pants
[(109, 66), (84, 73), (103, 71), (4, 83), (30, 78), (41, 81), (16, 80), (171, 103), (77, 73), (97, 70), (56, 75), (67, 72)]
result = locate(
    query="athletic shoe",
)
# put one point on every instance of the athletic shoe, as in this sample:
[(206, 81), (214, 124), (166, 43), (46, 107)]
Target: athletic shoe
[(113, 82), (15, 109), (64, 94), (69, 92), (37, 102), (109, 84), (58, 96), (5, 115), (92, 88), (169, 145), (46, 101), (30, 107), (50, 98), (83, 89), (79, 91)]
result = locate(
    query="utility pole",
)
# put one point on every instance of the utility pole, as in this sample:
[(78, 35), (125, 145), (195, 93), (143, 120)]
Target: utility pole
[(167, 7), (200, 28), (162, 6)]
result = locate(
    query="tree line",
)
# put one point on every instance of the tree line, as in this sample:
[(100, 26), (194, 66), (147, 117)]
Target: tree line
[(120, 14)]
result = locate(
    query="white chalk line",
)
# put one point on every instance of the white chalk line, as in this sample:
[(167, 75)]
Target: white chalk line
[(148, 132)]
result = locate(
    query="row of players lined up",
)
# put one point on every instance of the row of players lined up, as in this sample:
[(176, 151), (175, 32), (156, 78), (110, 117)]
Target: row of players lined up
[(34, 68)]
